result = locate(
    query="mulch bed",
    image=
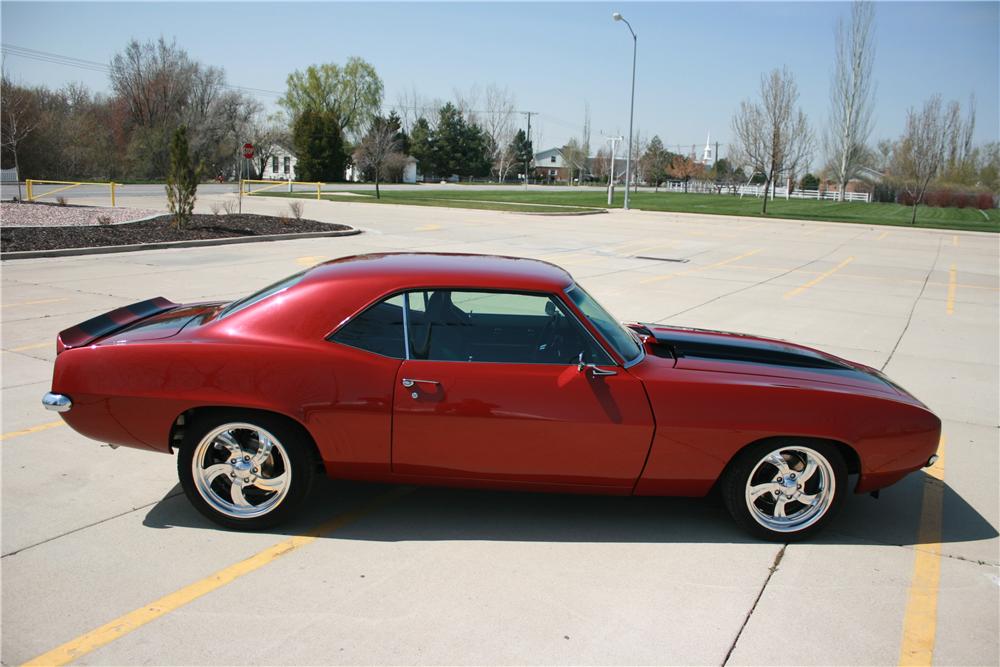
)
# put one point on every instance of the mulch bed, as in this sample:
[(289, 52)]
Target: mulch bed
[(15, 239)]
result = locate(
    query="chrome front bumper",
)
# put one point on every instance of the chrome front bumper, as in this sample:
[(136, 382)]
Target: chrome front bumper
[(57, 402)]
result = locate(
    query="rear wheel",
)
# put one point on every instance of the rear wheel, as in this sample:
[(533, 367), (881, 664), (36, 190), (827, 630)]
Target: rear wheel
[(784, 491), (243, 470)]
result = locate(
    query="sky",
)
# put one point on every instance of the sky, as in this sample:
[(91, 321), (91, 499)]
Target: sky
[(695, 61)]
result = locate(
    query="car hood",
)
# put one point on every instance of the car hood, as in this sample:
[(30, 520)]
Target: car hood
[(725, 352), (165, 325)]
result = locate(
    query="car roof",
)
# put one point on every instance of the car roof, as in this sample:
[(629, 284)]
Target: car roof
[(386, 272)]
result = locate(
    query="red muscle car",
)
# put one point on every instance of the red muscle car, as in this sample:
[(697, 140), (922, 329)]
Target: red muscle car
[(482, 371)]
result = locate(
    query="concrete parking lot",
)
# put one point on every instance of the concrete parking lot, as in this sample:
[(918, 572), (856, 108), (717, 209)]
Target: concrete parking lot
[(104, 562)]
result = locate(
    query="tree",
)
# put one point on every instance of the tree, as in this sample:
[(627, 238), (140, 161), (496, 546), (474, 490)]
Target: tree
[(266, 134), (575, 159), (422, 145), (457, 147), (497, 122), (772, 137), (851, 96), (809, 182), (182, 178), (318, 141), (919, 153), (684, 168), (352, 92), (523, 151), (655, 162), (16, 120), (379, 149)]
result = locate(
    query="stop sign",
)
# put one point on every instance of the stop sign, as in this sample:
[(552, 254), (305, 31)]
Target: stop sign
[(248, 151)]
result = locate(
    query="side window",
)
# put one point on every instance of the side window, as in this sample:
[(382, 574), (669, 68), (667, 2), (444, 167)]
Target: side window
[(451, 325), (378, 329), (274, 164), (288, 162)]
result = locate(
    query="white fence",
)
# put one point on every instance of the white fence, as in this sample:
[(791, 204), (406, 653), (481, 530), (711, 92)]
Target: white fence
[(780, 192), (8, 175)]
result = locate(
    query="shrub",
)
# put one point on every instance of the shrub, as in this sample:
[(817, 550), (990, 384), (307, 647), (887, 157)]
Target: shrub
[(985, 200), (229, 206), (60, 201), (182, 178), (104, 219), (296, 208), (216, 208)]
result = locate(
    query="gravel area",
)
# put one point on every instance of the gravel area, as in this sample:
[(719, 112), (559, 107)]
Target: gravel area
[(38, 214), (15, 239)]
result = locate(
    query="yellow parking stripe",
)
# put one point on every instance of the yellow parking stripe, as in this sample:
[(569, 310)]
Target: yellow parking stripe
[(33, 346), (31, 429), (308, 260), (697, 269), (882, 236), (954, 240), (123, 625), (34, 303), (920, 619), (818, 279), (428, 228), (952, 288)]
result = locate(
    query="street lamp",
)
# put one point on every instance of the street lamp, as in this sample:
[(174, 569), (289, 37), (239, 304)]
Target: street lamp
[(631, 111)]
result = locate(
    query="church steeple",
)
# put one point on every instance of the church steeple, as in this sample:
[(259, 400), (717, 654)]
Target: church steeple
[(708, 156)]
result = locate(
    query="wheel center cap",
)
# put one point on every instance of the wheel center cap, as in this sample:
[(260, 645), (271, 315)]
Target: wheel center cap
[(788, 482), (242, 466)]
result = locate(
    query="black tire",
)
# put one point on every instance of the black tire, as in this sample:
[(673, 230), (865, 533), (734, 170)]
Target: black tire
[(823, 502), (265, 507)]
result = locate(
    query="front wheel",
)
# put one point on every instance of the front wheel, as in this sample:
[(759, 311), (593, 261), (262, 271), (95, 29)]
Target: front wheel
[(244, 470), (784, 491)]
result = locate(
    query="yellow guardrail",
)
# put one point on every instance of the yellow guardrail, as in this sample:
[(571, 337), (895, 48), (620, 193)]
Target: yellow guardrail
[(29, 182), (246, 184)]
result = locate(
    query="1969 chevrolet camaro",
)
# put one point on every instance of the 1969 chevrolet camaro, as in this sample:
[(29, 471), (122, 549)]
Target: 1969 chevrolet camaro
[(483, 371)]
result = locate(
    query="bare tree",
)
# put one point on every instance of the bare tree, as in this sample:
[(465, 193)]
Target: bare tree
[(852, 95), (585, 139), (920, 152), (16, 120), (497, 120), (266, 134), (574, 158), (378, 150), (772, 136)]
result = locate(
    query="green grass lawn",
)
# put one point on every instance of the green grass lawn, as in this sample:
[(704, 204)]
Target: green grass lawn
[(579, 199)]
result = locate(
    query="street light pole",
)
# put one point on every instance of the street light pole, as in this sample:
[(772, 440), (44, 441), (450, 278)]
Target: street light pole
[(631, 111)]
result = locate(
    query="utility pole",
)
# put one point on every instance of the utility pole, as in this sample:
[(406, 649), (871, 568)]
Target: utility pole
[(611, 179), (530, 157)]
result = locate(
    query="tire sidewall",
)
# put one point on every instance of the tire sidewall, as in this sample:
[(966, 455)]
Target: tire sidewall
[(300, 461), (736, 475)]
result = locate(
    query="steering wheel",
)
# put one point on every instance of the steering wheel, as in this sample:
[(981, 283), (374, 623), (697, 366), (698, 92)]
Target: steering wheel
[(549, 337)]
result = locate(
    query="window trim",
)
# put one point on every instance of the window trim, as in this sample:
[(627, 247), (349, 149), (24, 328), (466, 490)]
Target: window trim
[(620, 360), (558, 297)]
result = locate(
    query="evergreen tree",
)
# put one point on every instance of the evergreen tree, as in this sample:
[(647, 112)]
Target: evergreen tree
[(422, 146), (319, 143), (523, 151), (182, 178)]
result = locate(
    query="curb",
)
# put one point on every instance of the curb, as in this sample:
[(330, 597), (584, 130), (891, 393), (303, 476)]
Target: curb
[(596, 211), (164, 245)]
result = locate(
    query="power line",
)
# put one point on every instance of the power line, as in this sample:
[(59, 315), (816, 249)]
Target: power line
[(94, 66)]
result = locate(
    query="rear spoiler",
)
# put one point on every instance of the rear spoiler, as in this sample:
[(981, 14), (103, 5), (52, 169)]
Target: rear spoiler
[(110, 322)]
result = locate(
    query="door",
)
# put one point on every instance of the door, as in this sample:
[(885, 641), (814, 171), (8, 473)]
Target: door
[(492, 389)]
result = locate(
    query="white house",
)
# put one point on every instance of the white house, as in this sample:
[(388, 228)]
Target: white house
[(280, 166), (549, 165), (410, 172)]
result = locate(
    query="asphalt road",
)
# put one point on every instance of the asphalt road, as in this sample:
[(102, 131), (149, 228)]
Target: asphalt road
[(102, 557)]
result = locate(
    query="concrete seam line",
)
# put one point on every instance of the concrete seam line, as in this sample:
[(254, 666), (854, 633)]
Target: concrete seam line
[(920, 618), (162, 245), (123, 625), (753, 607)]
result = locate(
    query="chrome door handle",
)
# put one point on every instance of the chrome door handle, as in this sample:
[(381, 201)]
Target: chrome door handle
[(407, 382)]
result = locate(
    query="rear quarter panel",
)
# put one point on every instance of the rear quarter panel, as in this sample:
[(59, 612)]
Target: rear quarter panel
[(132, 394)]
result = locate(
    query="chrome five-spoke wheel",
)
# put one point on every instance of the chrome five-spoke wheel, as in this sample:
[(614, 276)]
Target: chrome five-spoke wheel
[(245, 469), (784, 490), (241, 470), (790, 489)]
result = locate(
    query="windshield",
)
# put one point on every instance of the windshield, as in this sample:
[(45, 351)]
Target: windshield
[(623, 342), (248, 301)]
